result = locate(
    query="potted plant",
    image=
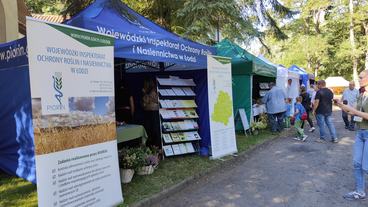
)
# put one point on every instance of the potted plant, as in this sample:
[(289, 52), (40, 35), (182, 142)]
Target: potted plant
[(127, 163), (148, 161), (259, 125)]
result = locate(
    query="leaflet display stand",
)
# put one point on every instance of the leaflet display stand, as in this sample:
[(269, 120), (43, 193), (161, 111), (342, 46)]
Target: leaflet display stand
[(178, 116), (264, 88)]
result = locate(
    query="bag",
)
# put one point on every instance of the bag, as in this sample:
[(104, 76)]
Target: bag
[(292, 120), (304, 116)]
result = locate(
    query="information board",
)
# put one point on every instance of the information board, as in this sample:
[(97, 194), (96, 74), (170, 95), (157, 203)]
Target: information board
[(220, 100), (72, 89)]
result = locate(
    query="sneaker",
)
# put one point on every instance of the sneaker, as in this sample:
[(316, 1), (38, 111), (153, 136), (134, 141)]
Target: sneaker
[(297, 138), (354, 196), (304, 138), (346, 127), (335, 140), (321, 140), (312, 129)]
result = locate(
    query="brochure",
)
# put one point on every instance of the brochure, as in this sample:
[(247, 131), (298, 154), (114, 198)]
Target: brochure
[(176, 149), (178, 91), (163, 92), (189, 147), (167, 138), (183, 149), (188, 91), (175, 137), (168, 150)]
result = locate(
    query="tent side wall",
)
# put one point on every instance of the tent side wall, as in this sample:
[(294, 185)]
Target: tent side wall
[(242, 97), (16, 140)]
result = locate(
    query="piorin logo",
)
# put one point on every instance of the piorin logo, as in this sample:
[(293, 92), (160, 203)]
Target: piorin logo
[(58, 85)]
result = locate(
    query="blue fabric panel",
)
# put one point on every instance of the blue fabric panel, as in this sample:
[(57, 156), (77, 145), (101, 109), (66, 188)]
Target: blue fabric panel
[(138, 38), (13, 53), (16, 140), (303, 74)]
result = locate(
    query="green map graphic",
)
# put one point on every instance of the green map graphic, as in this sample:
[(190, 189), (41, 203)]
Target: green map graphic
[(223, 106)]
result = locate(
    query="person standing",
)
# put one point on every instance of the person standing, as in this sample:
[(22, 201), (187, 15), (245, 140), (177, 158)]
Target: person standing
[(322, 109), (360, 149), (306, 102), (151, 112), (124, 105), (289, 90), (299, 110), (275, 106), (349, 97)]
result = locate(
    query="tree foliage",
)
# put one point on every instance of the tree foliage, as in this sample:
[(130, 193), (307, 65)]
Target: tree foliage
[(200, 20), (319, 37)]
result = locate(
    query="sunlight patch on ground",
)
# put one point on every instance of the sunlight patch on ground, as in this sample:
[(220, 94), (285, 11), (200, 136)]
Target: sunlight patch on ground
[(278, 152), (279, 200), (212, 203), (232, 196), (346, 141), (290, 157)]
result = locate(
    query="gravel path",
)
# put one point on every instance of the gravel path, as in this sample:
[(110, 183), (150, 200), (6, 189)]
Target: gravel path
[(285, 173)]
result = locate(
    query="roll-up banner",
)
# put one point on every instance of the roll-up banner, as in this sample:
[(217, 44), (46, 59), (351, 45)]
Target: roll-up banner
[(223, 141), (72, 90)]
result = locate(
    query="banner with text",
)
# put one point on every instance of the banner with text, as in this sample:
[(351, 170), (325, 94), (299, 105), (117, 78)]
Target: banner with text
[(72, 89), (220, 100)]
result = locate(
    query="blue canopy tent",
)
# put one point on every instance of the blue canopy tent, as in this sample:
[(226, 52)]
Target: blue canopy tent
[(304, 77), (137, 38), (144, 46), (16, 140)]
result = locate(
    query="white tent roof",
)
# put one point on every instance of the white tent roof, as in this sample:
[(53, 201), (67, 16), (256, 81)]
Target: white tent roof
[(336, 81)]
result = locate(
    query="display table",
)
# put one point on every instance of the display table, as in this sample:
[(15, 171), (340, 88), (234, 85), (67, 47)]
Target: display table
[(129, 132)]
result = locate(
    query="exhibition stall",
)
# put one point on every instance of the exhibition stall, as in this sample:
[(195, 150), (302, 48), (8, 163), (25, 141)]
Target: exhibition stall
[(303, 75), (251, 76), (145, 50), (282, 74), (337, 84), (142, 50)]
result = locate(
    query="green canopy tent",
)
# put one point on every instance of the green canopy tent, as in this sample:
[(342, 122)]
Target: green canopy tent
[(246, 69)]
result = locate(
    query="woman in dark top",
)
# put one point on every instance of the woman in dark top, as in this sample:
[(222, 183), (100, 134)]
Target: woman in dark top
[(151, 112), (306, 102)]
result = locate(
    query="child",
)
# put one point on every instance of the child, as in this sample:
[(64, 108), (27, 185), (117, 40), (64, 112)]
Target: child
[(288, 113), (258, 109), (299, 110)]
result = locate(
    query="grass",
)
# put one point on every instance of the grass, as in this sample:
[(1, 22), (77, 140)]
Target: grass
[(17, 192)]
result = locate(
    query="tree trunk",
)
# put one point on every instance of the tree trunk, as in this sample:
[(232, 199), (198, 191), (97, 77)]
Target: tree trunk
[(318, 65), (352, 43), (365, 25)]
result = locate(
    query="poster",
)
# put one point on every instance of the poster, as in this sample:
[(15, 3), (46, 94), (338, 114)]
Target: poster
[(220, 100), (72, 89)]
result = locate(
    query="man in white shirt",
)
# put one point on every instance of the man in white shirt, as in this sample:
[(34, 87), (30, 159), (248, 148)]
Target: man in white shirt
[(349, 97)]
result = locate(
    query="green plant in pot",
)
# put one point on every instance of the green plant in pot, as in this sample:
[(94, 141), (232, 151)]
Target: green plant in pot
[(128, 162), (148, 160), (261, 124)]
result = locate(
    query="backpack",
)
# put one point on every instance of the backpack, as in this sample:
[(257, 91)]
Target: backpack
[(304, 116)]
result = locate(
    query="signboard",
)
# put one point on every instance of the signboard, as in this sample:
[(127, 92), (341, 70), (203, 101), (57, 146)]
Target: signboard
[(72, 90), (243, 117), (220, 102)]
